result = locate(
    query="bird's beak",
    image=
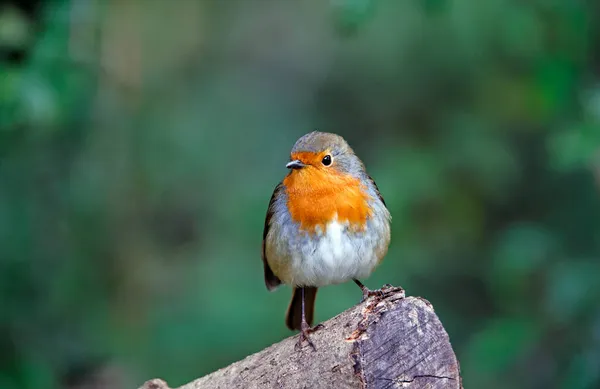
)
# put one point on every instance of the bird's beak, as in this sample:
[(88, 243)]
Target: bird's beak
[(297, 164)]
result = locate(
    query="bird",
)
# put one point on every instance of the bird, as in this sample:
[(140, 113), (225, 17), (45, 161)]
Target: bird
[(326, 224)]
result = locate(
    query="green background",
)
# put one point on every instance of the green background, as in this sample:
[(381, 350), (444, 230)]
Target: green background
[(140, 143)]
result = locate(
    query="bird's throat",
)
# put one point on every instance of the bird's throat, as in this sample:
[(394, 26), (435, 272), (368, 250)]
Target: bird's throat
[(316, 197)]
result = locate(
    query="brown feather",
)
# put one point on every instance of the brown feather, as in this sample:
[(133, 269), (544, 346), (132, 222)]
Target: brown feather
[(271, 280), (377, 190)]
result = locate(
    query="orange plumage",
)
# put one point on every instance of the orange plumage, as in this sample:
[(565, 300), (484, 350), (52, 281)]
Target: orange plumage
[(318, 195)]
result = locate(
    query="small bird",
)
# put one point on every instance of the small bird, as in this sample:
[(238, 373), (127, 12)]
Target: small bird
[(326, 224)]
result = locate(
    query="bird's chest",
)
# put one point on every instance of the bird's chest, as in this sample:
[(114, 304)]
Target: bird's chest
[(334, 254), (326, 233), (315, 204)]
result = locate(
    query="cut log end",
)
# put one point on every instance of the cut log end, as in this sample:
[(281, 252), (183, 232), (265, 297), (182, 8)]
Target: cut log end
[(389, 341)]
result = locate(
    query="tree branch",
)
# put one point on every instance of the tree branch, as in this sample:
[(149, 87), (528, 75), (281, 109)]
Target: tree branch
[(386, 342)]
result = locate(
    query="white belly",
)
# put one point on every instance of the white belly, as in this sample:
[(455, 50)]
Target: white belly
[(334, 256)]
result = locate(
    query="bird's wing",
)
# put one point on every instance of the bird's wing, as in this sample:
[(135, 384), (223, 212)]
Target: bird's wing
[(377, 190), (271, 280)]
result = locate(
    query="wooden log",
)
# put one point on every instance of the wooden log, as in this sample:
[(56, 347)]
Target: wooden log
[(388, 341)]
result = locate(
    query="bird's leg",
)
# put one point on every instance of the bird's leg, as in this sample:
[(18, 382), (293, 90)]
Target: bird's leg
[(386, 290), (366, 292), (305, 328)]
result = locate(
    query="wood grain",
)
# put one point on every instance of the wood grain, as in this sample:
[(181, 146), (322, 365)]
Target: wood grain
[(390, 341)]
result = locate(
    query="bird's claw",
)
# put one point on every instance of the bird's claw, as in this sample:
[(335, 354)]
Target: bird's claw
[(304, 335), (385, 290), (366, 293)]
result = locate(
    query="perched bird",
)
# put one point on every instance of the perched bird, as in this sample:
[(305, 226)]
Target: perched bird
[(326, 224)]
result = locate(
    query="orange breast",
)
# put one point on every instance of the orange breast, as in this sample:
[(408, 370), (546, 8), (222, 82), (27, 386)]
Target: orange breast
[(316, 196)]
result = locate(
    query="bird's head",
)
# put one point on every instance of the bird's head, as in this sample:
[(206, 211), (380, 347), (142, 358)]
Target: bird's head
[(324, 153)]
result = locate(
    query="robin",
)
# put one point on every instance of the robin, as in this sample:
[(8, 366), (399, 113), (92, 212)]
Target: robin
[(326, 224)]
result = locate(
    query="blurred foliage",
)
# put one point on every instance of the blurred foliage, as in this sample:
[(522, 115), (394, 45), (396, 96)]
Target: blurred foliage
[(140, 142)]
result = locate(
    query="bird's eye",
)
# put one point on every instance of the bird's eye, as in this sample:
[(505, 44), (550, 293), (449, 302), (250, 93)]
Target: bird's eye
[(326, 160)]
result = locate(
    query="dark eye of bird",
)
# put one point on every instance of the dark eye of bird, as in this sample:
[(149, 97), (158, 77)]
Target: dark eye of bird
[(326, 160)]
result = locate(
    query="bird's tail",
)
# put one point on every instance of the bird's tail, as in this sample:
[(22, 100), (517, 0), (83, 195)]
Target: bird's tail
[(293, 317)]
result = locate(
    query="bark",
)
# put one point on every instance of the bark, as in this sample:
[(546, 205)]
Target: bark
[(391, 341)]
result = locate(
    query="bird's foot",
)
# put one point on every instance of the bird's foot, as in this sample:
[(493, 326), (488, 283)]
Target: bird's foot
[(385, 290), (305, 332), (366, 293)]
